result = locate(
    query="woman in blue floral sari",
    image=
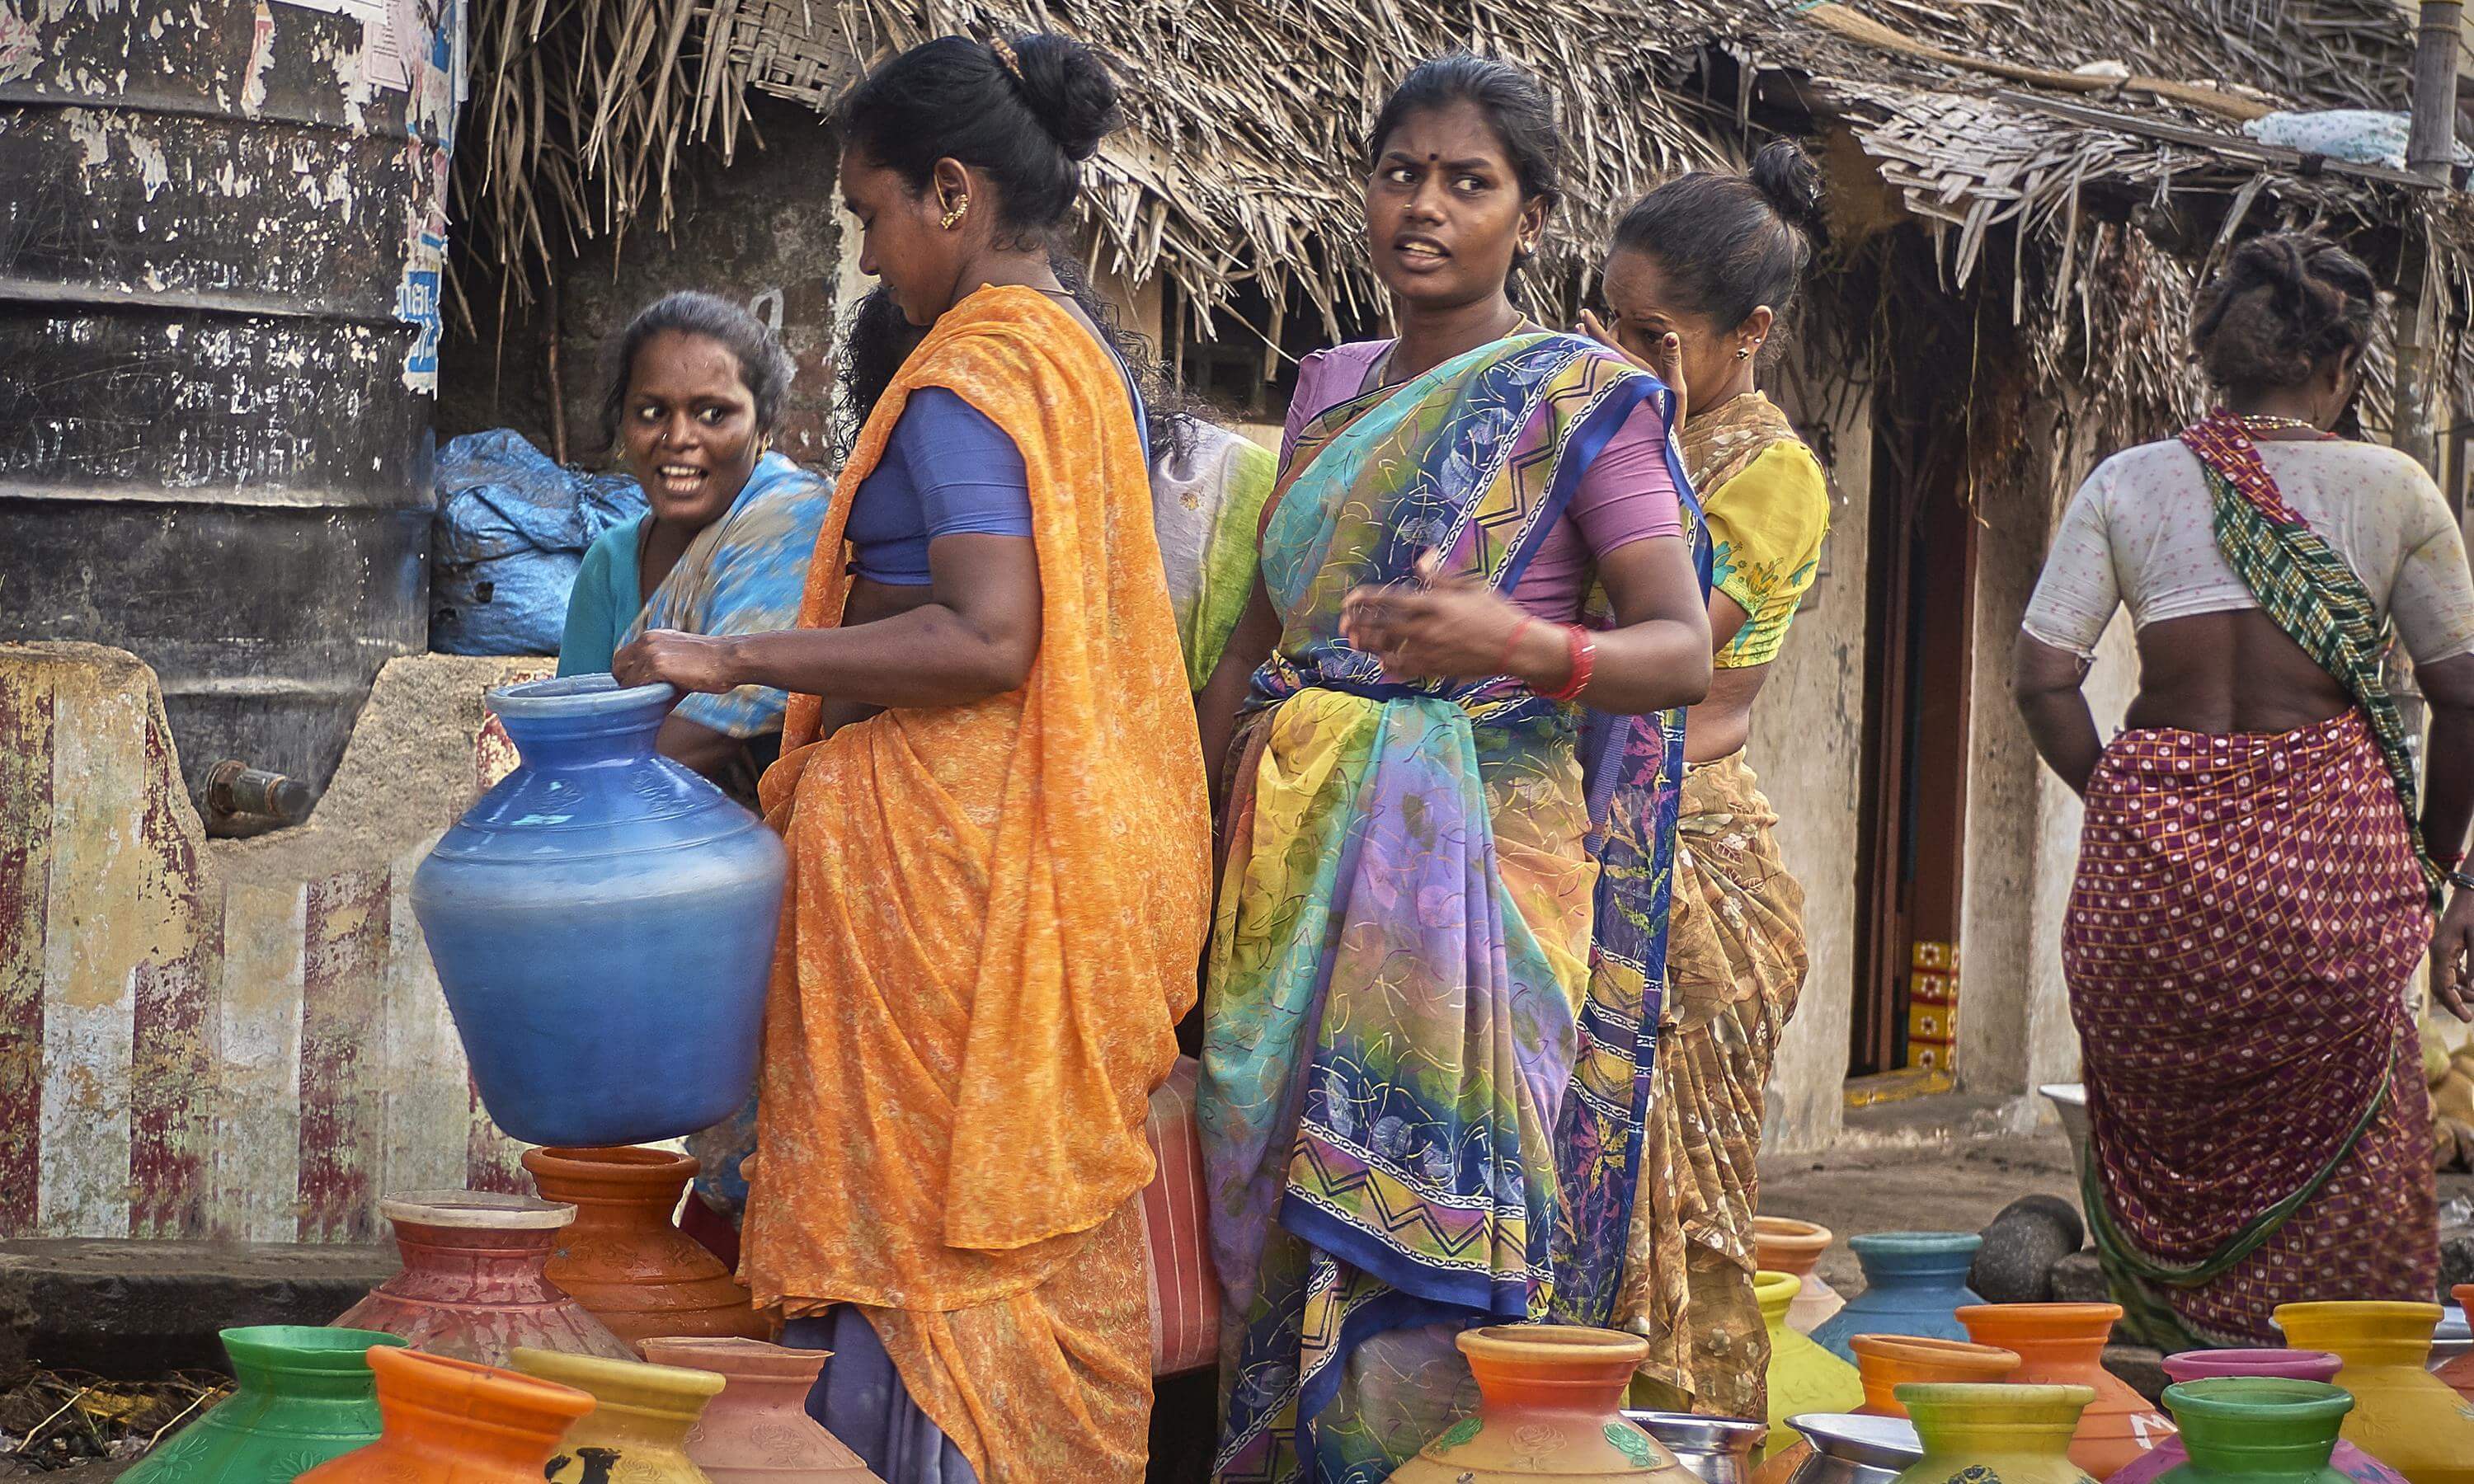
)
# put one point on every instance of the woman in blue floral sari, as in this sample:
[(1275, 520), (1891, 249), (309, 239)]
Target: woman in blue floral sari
[(1440, 938)]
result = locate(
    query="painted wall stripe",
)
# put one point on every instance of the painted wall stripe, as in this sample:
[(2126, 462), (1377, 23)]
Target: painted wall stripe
[(257, 1106), (26, 839), (342, 967), (172, 1041), (101, 925), (424, 1095)]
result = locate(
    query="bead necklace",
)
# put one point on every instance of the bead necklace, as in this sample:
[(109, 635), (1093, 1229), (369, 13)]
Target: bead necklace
[(2266, 422)]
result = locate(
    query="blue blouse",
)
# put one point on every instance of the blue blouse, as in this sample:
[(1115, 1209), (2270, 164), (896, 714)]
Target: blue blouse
[(947, 470)]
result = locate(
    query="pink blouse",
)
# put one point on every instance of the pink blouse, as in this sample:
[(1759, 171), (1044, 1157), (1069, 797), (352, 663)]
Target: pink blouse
[(1625, 495)]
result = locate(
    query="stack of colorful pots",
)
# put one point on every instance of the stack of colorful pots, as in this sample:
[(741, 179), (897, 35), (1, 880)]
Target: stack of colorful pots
[(2028, 1400), (2063, 1345), (509, 1344)]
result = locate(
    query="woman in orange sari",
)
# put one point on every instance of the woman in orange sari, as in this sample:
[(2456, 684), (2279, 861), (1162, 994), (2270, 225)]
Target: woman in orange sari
[(993, 797)]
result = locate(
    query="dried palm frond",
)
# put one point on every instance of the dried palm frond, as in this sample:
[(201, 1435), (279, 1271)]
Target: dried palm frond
[(1242, 161)]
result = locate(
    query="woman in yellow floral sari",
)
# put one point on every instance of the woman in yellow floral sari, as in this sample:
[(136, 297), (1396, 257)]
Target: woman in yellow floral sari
[(1702, 268), (993, 800)]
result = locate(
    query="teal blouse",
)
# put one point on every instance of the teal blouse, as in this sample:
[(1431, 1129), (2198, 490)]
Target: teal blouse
[(605, 603)]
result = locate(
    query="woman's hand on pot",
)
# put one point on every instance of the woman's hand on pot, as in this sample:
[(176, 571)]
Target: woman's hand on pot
[(668, 657)]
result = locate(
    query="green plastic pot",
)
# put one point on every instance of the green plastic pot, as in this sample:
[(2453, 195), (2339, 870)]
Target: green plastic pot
[(303, 1395), (2257, 1429)]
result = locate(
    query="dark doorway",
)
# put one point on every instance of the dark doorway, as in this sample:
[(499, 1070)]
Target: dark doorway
[(1921, 614)]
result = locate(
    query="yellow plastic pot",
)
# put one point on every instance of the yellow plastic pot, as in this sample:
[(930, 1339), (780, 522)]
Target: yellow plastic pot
[(2403, 1415), (1803, 1377), (1978, 1434), (641, 1416)]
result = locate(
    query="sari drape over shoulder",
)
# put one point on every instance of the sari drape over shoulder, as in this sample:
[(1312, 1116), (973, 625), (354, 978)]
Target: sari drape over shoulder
[(1440, 938), (993, 919)]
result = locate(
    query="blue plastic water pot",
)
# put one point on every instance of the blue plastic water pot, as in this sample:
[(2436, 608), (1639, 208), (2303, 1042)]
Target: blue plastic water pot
[(603, 924)]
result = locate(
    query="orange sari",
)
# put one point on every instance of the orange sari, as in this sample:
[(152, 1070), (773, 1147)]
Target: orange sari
[(994, 916)]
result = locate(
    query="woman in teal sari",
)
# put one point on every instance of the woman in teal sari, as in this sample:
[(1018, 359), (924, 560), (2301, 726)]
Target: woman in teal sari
[(1440, 938)]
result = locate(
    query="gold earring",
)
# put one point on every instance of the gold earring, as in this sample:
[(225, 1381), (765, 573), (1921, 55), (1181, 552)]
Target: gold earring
[(954, 213)]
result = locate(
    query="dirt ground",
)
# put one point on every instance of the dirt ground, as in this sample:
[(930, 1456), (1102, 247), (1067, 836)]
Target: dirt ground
[(1955, 1186), (1934, 1187)]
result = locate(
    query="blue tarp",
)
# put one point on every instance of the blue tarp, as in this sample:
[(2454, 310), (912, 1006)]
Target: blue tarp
[(512, 528)]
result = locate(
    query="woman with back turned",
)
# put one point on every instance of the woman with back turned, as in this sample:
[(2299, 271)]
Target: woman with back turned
[(994, 805), (2256, 884), (1703, 270)]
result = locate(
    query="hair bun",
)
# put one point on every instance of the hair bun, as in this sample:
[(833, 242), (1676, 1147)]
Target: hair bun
[(1791, 183), (1070, 91)]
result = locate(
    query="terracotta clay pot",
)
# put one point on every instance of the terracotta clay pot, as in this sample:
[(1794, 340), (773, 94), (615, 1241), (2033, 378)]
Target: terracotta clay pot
[(2005, 1434), (301, 1396), (1803, 1377), (1550, 1405), (2290, 1365), (1782, 1244), (758, 1431), (473, 1283), (624, 1259), (2403, 1415), (2458, 1373), (1888, 1361), (454, 1422), (637, 1427), (2063, 1345)]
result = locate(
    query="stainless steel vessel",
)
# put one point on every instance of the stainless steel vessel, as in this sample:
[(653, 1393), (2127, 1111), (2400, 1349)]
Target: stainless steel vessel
[(1717, 1450), (1852, 1448)]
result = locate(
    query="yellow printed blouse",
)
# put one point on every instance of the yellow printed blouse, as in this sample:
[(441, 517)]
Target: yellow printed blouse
[(1768, 508)]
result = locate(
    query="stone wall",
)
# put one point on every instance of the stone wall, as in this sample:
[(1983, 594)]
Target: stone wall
[(229, 1040)]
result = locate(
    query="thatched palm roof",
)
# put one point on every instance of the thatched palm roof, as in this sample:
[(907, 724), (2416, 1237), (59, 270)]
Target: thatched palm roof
[(1243, 157)]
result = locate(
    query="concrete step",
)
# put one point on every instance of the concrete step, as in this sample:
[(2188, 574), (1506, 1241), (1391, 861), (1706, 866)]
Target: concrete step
[(135, 1309)]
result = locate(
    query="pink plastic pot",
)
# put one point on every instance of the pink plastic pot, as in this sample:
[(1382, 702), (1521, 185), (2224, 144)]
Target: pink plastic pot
[(2296, 1365)]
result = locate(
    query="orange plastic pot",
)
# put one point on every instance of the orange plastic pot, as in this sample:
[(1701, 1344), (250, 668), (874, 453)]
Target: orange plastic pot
[(444, 1421), (622, 1258), (2063, 1345), (1782, 1244), (1885, 1360), (1550, 1406)]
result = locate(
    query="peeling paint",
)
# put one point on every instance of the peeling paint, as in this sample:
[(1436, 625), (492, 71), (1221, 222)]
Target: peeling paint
[(261, 55), (150, 164), (21, 51), (86, 127)]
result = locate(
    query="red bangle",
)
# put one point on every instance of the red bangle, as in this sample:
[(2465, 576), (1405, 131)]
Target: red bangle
[(1503, 661), (1585, 663)]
